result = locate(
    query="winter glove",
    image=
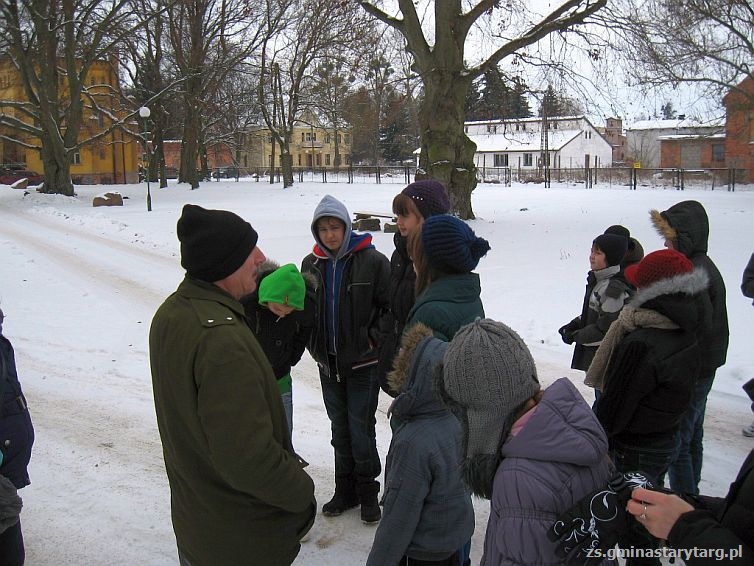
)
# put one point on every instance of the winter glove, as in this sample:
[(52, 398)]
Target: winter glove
[(566, 332), (586, 532)]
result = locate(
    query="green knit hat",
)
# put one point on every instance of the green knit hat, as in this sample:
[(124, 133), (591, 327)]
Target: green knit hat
[(285, 285)]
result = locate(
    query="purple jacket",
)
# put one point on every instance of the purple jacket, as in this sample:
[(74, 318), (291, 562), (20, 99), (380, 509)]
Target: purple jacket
[(558, 457)]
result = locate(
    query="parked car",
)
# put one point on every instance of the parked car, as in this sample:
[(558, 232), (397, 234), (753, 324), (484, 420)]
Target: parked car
[(228, 172), (10, 176)]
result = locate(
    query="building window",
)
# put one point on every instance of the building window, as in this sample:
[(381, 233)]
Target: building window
[(491, 129), (302, 136), (523, 126), (327, 159), (501, 160), (718, 152), (518, 126), (527, 159), (299, 160), (328, 138), (76, 158)]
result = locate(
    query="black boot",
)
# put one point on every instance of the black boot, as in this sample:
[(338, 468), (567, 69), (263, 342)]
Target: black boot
[(343, 500), (370, 509)]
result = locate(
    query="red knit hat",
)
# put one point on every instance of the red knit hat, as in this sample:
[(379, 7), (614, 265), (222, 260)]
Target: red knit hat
[(662, 264)]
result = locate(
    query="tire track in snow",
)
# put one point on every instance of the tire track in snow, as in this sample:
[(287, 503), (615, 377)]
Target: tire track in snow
[(88, 256)]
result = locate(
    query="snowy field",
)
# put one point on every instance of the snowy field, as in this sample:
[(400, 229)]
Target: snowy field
[(79, 286)]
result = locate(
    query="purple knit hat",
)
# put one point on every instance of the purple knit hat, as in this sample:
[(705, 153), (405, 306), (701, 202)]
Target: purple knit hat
[(429, 196)]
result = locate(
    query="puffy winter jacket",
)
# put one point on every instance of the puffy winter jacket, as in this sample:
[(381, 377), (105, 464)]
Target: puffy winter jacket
[(428, 513), (558, 457), (687, 226)]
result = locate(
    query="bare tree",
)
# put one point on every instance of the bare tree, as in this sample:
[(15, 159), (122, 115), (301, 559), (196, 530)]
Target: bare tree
[(53, 44), (707, 43), (315, 29), (210, 39), (447, 153)]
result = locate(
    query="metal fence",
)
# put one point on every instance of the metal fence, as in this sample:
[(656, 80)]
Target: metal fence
[(709, 179)]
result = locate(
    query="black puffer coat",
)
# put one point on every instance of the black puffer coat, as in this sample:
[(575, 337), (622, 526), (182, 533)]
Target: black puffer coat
[(687, 226), (650, 376)]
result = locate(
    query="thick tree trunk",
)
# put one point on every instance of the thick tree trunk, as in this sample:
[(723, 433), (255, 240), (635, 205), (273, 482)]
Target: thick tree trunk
[(447, 154), (286, 162), (57, 174)]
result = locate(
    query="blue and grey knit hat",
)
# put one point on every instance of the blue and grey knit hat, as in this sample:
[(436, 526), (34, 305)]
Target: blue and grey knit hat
[(451, 245)]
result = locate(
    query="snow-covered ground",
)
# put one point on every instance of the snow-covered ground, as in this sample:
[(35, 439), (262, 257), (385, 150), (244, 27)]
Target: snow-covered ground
[(79, 286)]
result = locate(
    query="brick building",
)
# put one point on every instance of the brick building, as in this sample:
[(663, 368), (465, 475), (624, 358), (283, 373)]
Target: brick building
[(739, 128)]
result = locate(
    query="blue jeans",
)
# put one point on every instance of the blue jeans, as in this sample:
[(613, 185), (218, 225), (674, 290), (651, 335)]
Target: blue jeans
[(649, 456), (287, 399), (653, 458), (351, 404), (685, 472)]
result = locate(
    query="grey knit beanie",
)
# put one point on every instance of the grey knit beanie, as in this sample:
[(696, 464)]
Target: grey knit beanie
[(488, 374)]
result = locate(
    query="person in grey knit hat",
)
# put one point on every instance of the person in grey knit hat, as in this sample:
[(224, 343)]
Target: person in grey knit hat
[(532, 452)]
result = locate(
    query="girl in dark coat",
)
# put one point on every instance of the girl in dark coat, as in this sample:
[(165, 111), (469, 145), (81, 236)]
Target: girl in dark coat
[(447, 291), (412, 206), (16, 439)]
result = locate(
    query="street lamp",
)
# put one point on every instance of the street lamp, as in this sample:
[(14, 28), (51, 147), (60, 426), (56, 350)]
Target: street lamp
[(145, 113)]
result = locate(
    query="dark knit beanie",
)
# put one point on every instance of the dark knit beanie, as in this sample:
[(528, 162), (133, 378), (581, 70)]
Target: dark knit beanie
[(214, 243), (613, 246), (662, 264), (451, 245), (429, 196)]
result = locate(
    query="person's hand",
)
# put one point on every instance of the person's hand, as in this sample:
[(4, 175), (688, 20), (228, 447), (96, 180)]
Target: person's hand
[(657, 511), (566, 331)]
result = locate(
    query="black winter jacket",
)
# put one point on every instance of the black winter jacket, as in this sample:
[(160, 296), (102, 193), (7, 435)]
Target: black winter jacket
[(650, 376), (402, 297), (362, 304), (282, 339), (687, 225), (720, 523)]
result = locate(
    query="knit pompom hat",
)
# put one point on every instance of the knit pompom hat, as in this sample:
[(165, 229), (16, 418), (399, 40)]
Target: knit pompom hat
[(451, 245), (662, 264), (214, 243), (613, 246), (429, 196), (285, 285), (488, 374)]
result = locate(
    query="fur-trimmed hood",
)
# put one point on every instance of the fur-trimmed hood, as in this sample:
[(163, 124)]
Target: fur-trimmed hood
[(413, 374), (269, 265), (686, 224), (674, 297)]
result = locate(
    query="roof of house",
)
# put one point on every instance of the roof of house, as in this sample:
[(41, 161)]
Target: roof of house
[(674, 124), (522, 141)]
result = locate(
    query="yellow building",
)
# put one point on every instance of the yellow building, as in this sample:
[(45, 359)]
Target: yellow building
[(312, 146), (112, 158)]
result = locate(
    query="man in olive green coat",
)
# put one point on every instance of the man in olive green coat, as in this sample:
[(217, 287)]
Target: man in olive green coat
[(239, 494)]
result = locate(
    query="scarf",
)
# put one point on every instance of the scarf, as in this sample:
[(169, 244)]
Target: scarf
[(629, 319)]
